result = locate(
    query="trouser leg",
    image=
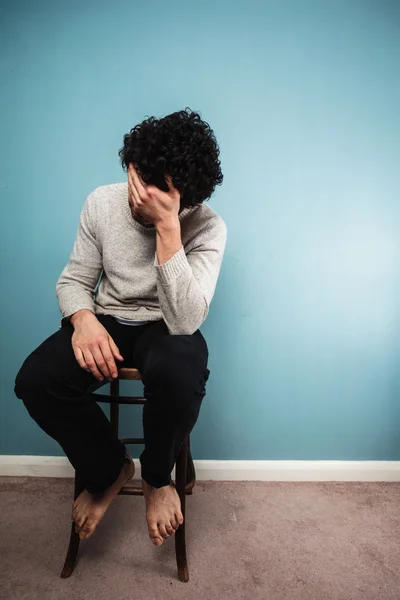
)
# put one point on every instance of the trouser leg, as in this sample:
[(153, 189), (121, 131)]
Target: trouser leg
[(55, 391), (174, 372)]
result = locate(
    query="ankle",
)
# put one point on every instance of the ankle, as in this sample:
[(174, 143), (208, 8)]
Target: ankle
[(147, 487), (158, 485)]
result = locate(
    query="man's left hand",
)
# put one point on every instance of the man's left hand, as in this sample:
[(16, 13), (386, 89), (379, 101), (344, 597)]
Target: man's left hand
[(152, 204)]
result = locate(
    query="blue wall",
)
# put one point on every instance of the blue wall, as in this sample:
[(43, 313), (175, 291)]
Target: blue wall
[(304, 98)]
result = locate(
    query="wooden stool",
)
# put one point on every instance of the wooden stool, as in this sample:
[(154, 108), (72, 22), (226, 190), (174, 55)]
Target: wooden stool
[(185, 476)]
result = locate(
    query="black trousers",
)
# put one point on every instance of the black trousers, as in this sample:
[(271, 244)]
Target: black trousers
[(55, 390)]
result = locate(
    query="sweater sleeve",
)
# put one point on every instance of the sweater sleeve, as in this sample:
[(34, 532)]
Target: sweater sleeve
[(186, 283), (76, 285)]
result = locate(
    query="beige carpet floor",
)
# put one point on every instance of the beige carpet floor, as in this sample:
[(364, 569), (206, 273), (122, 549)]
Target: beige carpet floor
[(246, 540)]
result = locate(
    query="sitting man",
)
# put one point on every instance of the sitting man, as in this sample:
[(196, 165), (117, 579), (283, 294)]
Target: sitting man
[(134, 293)]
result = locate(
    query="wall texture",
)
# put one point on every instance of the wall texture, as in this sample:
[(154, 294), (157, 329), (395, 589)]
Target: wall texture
[(304, 98)]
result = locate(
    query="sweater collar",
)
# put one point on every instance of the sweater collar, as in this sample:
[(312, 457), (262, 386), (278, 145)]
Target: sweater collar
[(139, 226)]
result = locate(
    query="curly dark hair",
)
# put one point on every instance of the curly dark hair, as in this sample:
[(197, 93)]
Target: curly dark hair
[(180, 145)]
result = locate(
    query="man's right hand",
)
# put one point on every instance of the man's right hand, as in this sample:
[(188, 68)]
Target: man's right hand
[(94, 348)]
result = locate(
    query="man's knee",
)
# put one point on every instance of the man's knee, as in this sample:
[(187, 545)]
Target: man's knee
[(31, 378), (30, 385), (179, 362)]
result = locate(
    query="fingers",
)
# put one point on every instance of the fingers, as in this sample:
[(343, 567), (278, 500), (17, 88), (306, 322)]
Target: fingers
[(132, 188), (109, 358), (91, 363), (136, 201), (170, 185), (79, 357), (101, 362), (114, 349), (136, 198), (140, 189), (86, 361)]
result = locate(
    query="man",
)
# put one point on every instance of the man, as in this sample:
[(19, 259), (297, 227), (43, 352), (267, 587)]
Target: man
[(135, 291)]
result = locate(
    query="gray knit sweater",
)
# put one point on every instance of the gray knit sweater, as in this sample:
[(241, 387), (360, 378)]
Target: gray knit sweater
[(111, 246)]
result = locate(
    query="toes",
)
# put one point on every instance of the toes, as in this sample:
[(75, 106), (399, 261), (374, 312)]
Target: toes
[(163, 531), (79, 521), (87, 529), (75, 506), (157, 541), (85, 533), (179, 518), (170, 529), (155, 535)]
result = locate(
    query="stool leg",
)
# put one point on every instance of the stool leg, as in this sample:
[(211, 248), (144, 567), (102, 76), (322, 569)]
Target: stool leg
[(114, 408), (191, 472), (180, 483), (74, 539)]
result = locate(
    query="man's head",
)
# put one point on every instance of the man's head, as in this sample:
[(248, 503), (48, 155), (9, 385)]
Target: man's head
[(180, 145)]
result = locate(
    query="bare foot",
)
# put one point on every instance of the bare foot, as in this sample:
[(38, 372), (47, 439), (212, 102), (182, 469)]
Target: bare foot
[(163, 511), (89, 509)]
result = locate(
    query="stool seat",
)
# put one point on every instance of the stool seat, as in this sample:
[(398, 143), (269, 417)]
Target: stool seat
[(128, 374)]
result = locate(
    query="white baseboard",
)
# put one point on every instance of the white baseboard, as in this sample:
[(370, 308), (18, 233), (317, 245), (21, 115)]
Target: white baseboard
[(228, 470)]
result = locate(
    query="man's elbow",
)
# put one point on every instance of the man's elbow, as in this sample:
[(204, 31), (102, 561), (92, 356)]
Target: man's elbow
[(182, 329), (188, 324)]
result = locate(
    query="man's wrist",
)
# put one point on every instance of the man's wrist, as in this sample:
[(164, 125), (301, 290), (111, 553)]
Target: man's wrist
[(80, 316), (168, 239), (168, 225)]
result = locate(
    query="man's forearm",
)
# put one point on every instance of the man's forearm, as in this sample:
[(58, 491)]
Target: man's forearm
[(168, 240), (181, 300), (186, 277)]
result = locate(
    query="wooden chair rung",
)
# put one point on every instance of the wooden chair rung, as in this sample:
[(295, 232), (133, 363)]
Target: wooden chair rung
[(119, 399), (131, 490)]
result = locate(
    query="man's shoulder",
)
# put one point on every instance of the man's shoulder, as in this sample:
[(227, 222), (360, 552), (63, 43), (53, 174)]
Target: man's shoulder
[(204, 216), (105, 201), (110, 192), (202, 225)]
